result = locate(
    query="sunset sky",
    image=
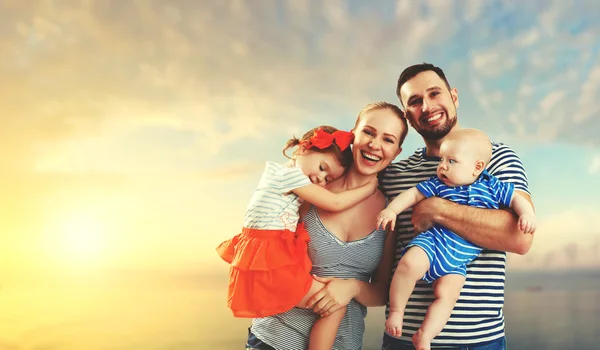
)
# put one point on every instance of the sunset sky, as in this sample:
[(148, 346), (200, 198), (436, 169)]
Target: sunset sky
[(134, 132)]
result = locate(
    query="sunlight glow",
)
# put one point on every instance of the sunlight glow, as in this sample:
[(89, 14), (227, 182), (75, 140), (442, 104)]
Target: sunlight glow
[(82, 239)]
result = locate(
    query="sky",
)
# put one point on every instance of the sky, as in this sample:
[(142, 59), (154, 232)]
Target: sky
[(134, 132)]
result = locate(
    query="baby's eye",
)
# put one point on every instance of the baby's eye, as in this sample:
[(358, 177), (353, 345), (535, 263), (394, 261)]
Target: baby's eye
[(451, 161), (321, 168)]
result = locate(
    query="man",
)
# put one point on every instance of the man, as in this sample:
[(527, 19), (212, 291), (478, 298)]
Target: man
[(477, 321)]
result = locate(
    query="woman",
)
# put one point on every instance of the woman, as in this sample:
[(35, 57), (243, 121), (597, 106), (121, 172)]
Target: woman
[(346, 244)]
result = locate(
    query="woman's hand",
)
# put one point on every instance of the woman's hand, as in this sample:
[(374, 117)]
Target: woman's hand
[(335, 295)]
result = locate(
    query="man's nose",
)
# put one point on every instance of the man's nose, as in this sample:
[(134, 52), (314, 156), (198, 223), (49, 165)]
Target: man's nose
[(425, 105)]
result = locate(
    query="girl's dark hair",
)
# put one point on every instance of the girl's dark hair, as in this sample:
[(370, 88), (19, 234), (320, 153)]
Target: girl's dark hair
[(344, 157)]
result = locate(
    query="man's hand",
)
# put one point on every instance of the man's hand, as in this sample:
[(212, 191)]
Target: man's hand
[(424, 212)]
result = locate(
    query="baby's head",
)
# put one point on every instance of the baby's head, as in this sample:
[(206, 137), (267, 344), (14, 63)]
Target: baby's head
[(465, 153), (323, 153)]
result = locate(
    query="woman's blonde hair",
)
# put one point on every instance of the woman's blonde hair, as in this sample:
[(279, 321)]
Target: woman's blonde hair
[(393, 108)]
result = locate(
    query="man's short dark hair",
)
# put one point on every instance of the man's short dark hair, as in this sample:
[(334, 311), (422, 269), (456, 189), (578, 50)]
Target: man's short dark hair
[(415, 69)]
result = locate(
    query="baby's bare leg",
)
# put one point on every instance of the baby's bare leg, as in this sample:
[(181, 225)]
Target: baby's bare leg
[(446, 290), (322, 334), (410, 269)]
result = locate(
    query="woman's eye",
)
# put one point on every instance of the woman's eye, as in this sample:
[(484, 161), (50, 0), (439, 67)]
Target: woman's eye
[(367, 132), (389, 140)]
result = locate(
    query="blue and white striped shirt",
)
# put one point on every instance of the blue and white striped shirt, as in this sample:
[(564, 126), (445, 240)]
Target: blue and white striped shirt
[(477, 316), (447, 251)]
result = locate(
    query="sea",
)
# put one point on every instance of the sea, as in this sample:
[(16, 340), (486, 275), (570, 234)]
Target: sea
[(152, 310)]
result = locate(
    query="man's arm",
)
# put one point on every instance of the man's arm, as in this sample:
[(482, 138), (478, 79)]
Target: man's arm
[(489, 228)]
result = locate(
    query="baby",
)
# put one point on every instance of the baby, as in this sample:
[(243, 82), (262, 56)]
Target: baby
[(438, 254)]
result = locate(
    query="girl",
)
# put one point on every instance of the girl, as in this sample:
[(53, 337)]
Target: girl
[(270, 267)]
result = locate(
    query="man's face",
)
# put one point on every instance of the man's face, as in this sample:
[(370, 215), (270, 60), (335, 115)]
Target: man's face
[(430, 107)]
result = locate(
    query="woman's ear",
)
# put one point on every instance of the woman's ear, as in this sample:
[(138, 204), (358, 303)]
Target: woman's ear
[(398, 152)]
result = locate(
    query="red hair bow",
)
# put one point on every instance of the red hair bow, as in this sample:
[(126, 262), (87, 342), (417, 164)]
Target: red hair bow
[(322, 139)]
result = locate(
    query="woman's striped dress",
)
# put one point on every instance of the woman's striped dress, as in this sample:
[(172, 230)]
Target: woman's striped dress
[(331, 258)]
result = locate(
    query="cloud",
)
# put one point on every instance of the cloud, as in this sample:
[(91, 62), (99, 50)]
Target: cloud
[(548, 90), (594, 165), (232, 171), (565, 239)]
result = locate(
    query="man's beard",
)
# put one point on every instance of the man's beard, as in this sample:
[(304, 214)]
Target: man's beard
[(439, 132)]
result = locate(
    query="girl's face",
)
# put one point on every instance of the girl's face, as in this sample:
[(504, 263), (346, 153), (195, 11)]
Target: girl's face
[(320, 167), (376, 141)]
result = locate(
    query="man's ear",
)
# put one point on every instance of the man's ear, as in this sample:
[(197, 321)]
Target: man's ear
[(454, 94)]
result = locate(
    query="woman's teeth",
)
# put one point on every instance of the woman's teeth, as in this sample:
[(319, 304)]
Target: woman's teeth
[(371, 157)]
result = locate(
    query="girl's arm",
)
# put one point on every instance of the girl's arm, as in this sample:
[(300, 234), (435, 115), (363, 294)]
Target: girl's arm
[(335, 202)]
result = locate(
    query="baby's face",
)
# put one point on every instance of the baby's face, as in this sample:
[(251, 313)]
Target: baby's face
[(457, 164)]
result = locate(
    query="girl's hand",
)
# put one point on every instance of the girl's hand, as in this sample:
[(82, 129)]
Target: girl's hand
[(336, 294)]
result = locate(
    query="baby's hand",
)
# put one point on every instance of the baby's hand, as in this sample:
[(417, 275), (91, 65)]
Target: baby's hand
[(386, 216), (527, 223)]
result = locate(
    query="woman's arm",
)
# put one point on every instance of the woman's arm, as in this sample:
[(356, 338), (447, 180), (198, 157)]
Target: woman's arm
[(376, 292), (338, 292)]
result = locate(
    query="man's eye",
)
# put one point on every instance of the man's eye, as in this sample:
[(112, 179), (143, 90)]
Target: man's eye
[(389, 140), (434, 93), (414, 102)]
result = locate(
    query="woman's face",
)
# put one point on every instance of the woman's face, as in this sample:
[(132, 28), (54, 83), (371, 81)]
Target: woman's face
[(376, 142)]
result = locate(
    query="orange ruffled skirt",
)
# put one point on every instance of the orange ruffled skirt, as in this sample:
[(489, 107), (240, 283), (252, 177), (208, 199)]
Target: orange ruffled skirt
[(269, 273)]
